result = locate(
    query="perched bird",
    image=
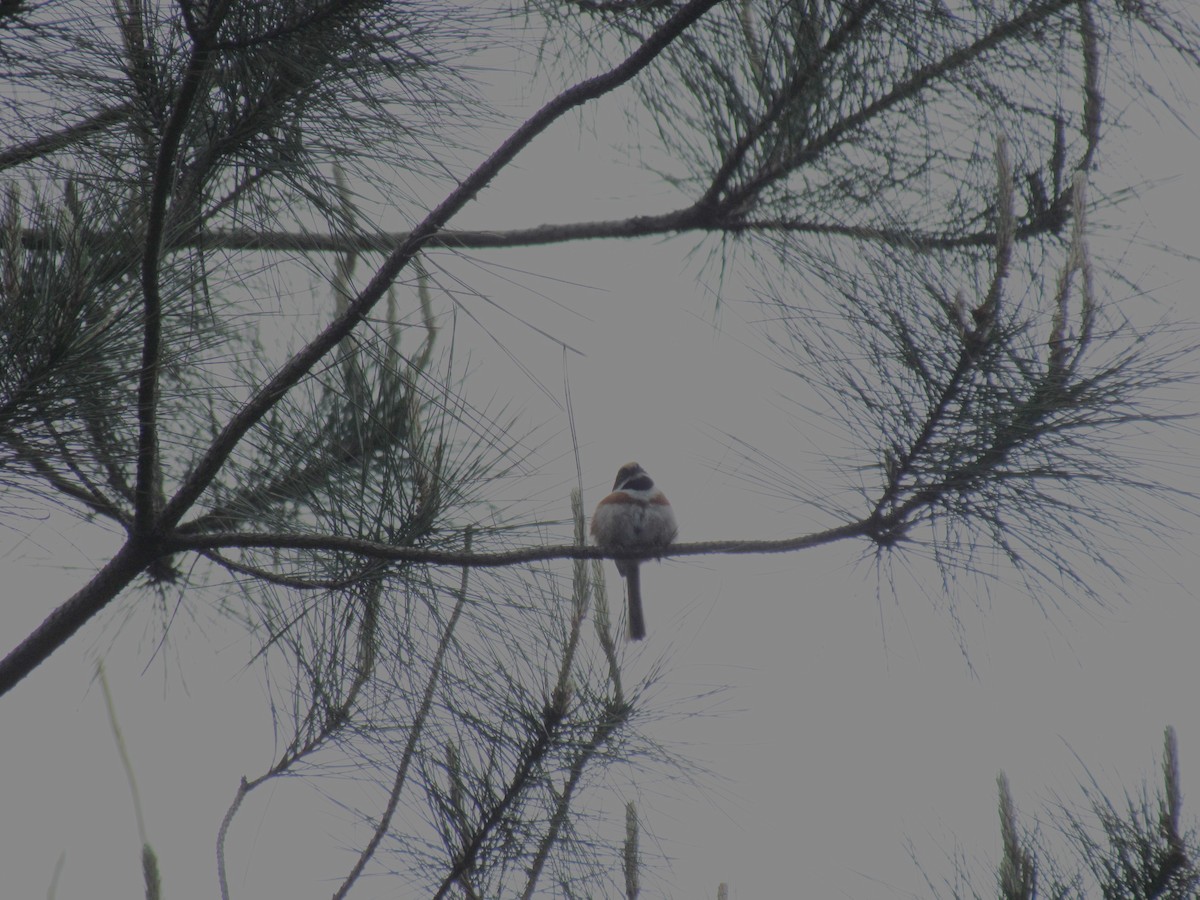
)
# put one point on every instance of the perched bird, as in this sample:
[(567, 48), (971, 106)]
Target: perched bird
[(635, 516)]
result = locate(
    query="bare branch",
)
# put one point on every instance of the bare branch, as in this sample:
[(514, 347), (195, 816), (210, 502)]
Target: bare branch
[(223, 832), (417, 555), (118, 573)]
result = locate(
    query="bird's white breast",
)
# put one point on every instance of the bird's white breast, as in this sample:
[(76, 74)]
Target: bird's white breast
[(631, 518)]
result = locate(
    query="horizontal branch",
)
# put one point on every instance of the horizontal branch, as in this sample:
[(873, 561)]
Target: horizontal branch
[(689, 219), (288, 581), (397, 554), (1049, 221), (248, 239)]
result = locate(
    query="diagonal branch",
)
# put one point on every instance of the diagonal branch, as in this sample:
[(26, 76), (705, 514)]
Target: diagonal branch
[(911, 86), (298, 366), (145, 546), (116, 575), (532, 757), (46, 144), (82, 490), (854, 19)]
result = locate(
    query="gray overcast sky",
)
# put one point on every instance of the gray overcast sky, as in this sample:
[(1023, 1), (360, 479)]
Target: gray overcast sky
[(849, 723)]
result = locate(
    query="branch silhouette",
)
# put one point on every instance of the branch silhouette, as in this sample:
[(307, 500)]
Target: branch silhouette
[(391, 553), (725, 204), (719, 220), (153, 538)]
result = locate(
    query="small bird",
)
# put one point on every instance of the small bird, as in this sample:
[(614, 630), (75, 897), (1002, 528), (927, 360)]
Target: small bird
[(635, 516)]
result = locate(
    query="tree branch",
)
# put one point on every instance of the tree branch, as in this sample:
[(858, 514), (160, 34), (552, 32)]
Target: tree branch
[(84, 492), (145, 547), (130, 561), (755, 133), (532, 757), (415, 731), (60, 140), (299, 365), (686, 219), (915, 83), (147, 480), (398, 554)]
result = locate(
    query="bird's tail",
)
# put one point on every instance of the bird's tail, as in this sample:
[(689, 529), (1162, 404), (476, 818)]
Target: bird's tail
[(637, 621)]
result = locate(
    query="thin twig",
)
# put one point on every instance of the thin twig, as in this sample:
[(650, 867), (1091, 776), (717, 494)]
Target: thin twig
[(410, 747), (687, 219), (60, 140), (226, 821), (616, 715), (733, 159), (122, 751), (903, 91)]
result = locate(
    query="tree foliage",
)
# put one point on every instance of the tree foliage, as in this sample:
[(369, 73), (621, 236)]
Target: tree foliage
[(223, 337), (1140, 850)]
